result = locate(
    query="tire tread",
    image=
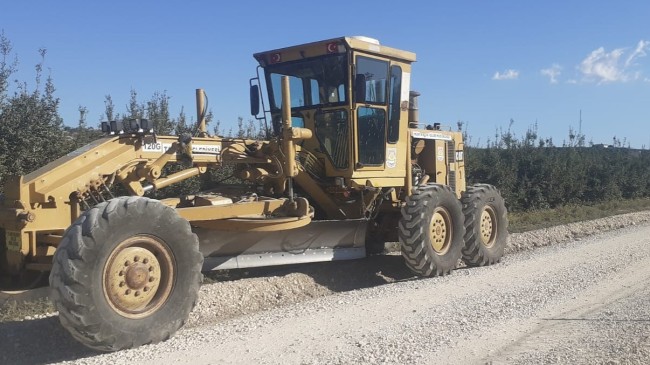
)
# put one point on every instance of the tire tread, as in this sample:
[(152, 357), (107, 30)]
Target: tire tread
[(474, 252), (71, 282), (414, 242)]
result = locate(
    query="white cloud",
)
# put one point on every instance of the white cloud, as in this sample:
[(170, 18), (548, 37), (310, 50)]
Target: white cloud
[(509, 74), (552, 72), (639, 52), (602, 67)]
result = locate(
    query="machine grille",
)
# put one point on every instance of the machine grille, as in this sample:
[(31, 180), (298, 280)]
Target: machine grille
[(451, 158)]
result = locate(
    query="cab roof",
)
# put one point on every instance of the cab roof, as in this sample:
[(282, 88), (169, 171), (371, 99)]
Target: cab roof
[(331, 46)]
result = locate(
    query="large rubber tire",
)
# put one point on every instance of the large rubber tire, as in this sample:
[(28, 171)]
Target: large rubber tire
[(431, 230), (126, 273), (486, 225)]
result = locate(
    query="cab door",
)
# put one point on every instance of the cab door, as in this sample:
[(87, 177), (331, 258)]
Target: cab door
[(378, 111), (371, 112)]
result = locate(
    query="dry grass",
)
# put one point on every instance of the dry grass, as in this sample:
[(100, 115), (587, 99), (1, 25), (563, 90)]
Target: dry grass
[(18, 311), (528, 221)]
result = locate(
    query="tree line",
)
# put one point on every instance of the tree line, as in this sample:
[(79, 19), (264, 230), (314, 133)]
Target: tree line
[(531, 172), (32, 132)]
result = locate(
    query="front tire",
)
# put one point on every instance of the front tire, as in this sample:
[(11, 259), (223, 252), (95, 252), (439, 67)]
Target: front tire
[(486, 225), (126, 273), (431, 231)]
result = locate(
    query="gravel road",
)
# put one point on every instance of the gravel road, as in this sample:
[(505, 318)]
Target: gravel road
[(584, 301)]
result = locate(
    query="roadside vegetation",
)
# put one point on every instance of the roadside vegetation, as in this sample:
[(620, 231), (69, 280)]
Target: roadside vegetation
[(546, 185), (533, 173), (544, 218)]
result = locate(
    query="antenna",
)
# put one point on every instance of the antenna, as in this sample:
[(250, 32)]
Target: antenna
[(580, 124)]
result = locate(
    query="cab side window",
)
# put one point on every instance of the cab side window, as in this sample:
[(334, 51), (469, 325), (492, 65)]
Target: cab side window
[(394, 103), (375, 74)]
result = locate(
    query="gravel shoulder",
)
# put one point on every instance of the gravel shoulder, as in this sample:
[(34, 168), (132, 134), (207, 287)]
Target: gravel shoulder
[(574, 301)]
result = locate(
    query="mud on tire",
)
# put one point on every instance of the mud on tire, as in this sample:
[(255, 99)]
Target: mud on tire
[(486, 225), (431, 230), (126, 273)]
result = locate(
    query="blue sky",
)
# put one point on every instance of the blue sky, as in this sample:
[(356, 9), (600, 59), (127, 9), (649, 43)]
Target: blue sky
[(481, 62)]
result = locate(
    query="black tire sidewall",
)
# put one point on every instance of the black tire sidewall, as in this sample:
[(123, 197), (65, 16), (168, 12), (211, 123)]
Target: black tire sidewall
[(415, 230), (87, 246), (166, 228)]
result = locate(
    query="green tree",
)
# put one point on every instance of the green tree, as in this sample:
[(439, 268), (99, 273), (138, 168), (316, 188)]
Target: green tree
[(158, 112), (109, 109), (30, 126)]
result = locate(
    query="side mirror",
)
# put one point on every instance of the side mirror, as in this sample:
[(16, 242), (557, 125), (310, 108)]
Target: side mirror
[(360, 88), (255, 100)]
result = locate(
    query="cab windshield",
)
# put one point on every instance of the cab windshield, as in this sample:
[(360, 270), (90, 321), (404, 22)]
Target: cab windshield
[(313, 83)]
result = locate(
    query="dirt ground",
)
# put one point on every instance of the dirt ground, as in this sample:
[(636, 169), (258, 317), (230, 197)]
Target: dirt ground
[(580, 300)]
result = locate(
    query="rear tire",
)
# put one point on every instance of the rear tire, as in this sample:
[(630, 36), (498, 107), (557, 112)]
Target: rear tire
[(127, 273), (431, 230), (486, 225)]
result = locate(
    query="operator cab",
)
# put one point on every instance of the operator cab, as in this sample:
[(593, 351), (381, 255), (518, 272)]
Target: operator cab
[(352, 92)]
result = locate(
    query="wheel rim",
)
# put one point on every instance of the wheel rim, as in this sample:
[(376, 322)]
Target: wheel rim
[(138, 276), (441, 231), (488, 226)]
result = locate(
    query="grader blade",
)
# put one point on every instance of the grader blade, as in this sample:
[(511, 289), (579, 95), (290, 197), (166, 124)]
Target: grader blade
[(315, 242)]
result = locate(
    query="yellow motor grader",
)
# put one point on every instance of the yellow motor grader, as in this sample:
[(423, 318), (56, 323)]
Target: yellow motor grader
[(346, 167)]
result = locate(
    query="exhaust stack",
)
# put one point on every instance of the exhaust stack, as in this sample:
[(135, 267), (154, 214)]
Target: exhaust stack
[(201, 111), (414, 114)]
